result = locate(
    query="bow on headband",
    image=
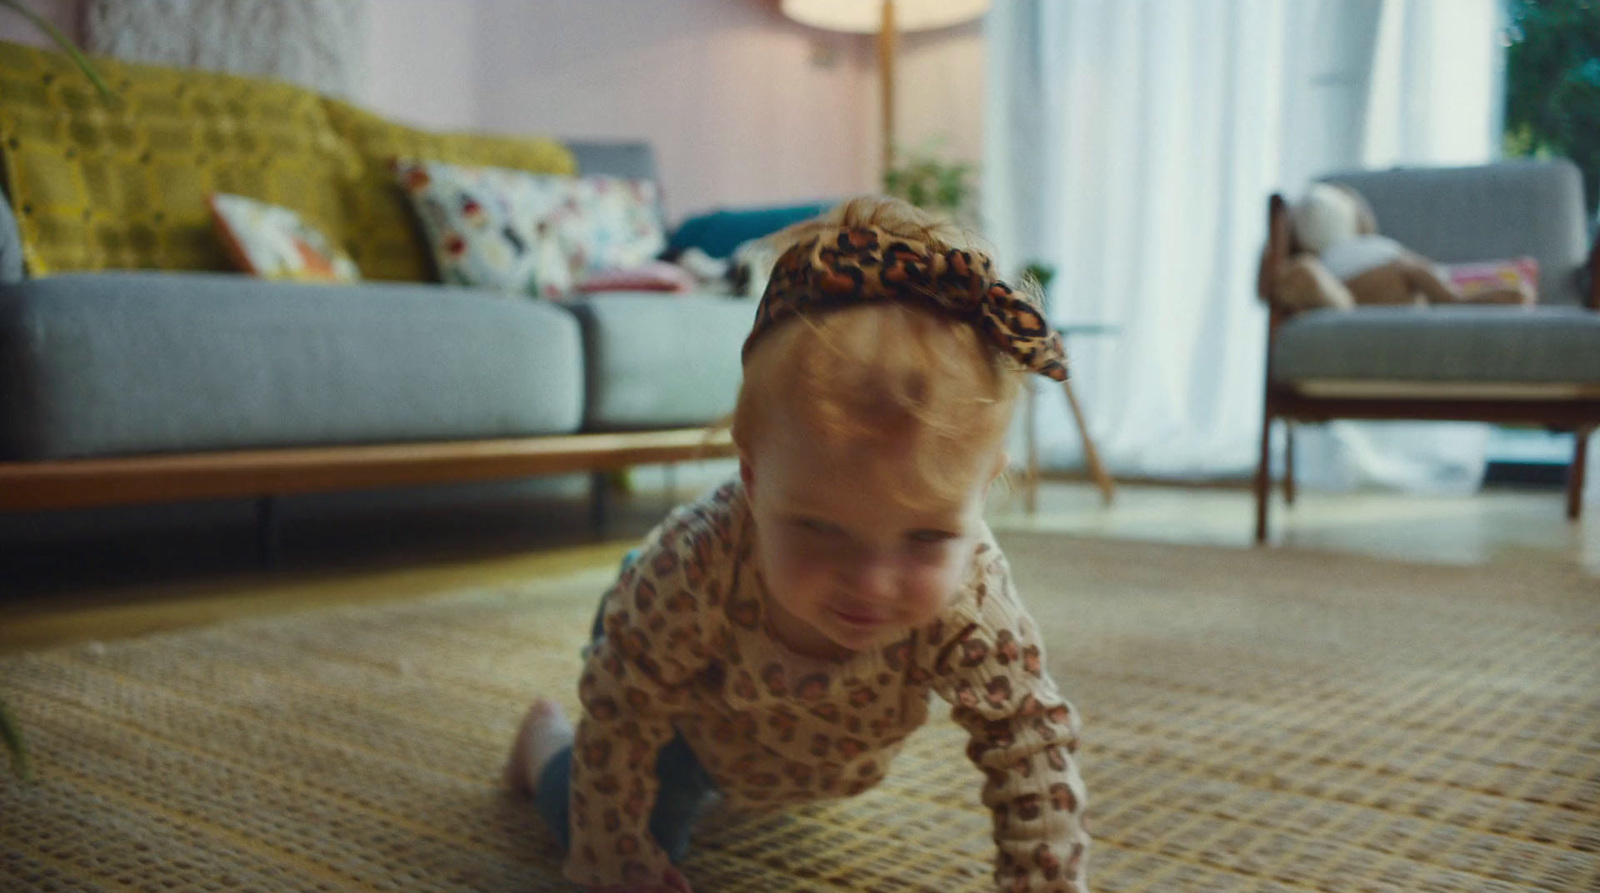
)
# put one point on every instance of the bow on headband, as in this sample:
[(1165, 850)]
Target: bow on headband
[(864, 265)]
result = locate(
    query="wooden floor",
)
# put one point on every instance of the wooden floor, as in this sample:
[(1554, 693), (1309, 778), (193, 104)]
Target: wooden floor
[(75, 589)]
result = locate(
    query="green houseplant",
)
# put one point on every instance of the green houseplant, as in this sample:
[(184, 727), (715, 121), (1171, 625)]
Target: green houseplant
[(1553, 84), (925, 179), (1040, 273)]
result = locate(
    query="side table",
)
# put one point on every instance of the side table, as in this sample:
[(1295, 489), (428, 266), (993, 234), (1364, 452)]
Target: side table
[(1108, 489)]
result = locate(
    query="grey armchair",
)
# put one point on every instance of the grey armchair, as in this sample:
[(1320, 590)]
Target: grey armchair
[(1492, 364)]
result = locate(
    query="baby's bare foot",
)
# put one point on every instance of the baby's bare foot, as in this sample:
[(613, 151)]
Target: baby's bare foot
[(544, 732)]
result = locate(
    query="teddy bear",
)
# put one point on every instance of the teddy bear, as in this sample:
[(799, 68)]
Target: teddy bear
[(1337, 259)]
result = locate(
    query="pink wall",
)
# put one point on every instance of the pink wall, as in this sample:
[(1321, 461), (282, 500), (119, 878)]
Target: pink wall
[(420, 62), (940, 90), (742, 105), (61, 13)]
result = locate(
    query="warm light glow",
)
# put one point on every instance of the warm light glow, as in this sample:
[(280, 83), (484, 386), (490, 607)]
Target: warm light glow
[(866, 16)]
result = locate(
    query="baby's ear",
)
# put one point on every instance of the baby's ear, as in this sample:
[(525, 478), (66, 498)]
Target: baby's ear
[(747, 476)]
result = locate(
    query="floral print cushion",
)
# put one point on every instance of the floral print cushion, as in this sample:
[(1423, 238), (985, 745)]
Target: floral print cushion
[(531, 234), (617, 221), (273, 242)]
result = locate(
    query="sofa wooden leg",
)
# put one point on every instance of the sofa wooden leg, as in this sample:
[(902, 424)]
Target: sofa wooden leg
[(600, 502), (269, 540), (1288, 463), (1263, 481), (1575, 475)]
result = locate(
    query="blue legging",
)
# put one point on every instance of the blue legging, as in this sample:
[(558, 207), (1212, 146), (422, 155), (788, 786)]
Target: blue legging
[(685, 786)]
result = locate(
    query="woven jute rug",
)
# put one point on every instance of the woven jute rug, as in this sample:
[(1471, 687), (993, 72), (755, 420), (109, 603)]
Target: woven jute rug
[(1256, 721)]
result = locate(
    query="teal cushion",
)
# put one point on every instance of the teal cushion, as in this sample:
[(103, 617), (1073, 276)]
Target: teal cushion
[(719, 232)]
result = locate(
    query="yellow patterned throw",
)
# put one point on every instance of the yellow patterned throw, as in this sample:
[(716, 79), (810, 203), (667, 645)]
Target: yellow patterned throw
[(98, 185), (274, 243), (124, 184)]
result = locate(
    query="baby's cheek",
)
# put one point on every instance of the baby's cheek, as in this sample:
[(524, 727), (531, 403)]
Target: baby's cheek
[(932, 588), (794, 570), (797, 559)]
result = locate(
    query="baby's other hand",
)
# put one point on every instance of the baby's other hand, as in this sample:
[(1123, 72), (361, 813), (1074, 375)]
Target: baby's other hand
[(672, 882)]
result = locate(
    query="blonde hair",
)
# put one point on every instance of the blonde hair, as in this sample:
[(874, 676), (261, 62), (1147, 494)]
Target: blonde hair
[(882, 374)]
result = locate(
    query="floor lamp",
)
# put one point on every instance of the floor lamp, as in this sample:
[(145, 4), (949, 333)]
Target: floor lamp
[(887, 19)]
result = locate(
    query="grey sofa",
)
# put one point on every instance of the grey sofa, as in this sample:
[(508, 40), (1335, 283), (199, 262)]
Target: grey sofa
[(1492, 364), (126, 375)]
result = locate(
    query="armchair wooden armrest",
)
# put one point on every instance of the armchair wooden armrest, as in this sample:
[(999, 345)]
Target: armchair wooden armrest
[(1593, 269), (1275, 252)]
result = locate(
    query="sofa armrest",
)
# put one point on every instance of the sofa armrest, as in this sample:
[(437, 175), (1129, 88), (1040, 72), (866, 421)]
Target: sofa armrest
[(11, 266)]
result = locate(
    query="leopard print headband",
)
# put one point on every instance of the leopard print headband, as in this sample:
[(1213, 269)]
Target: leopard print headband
[(864, 265)]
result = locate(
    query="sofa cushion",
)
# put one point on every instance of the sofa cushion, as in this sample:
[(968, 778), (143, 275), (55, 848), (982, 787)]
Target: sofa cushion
[(629, 159), (525, 233), (1520, 273), (125, 363), (124, 185), (491, 227), (383, 237), (656, 360), (272, 242), (719, 232), (1486, 347)]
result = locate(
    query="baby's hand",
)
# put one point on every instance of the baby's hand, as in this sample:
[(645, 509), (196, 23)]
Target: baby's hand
[(672, 882)]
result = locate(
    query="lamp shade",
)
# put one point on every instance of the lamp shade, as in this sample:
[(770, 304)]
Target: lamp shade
[(866, 16)]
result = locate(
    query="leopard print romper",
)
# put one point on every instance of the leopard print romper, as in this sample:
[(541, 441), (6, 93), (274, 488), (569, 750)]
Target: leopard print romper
[(686, 651)]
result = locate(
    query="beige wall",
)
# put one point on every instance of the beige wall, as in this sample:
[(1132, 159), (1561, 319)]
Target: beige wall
[(743, 106)]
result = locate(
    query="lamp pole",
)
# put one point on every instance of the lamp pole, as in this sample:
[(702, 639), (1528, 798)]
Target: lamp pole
[(888, 18), (886, 42)]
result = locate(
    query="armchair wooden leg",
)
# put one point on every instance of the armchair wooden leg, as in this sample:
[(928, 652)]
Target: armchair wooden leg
[(1030, 486), (1263, 482), (1288, 463), (1575, 475), (1097, 470)]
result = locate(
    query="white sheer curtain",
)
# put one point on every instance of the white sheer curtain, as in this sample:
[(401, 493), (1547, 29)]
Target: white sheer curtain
[(1132, 145)]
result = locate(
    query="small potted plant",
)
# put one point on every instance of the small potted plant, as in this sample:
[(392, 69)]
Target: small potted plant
[(932, 183), (1042, 273)]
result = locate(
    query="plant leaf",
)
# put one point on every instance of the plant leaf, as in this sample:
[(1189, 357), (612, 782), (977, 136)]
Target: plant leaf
[(11, 732)]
